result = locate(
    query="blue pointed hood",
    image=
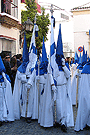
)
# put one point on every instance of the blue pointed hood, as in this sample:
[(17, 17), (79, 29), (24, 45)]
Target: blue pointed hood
[(25, 56), (80, 60), (86, 56), (25, 51), (44, 54), (2, 67), (80, 67), (86, 68), (44, 62), (75, 58), (59, 50), (83, 57)]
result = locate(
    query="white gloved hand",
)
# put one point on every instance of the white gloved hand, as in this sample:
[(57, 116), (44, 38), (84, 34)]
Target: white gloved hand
[(23, 78), (63, 61), (54, 88), (28, 86), (3, 74)]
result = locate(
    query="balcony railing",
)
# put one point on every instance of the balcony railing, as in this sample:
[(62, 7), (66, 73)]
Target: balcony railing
[(9, 21)]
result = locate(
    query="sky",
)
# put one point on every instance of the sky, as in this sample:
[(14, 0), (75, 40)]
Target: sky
[(66, 4)]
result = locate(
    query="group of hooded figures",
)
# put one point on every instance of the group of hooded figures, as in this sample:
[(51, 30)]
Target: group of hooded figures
[(45, 89)]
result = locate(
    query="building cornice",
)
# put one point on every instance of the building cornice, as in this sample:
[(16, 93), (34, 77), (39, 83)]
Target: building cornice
[(7, 37), (9, 21), (80, 9)]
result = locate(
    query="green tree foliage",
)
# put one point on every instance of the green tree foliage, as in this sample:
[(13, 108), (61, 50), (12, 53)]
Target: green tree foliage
[(41, 20)]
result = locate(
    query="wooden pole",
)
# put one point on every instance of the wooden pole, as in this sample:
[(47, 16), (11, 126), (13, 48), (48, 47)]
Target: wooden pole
[(27, 101), (77, 88), (38, 88)]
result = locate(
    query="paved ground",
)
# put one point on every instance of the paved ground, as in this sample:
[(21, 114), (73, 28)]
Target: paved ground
[(22, 128)]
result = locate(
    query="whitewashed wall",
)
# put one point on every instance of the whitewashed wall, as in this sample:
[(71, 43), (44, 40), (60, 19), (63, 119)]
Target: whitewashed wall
[(13, 32), (81, 26)]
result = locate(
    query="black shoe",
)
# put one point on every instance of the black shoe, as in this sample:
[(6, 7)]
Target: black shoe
[(87, 127), (56, 124), (28, 120), (63, 128), (0, 123)]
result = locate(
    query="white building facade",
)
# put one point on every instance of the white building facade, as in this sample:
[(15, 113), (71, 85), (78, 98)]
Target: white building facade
[(81, 19), (66, 20), (10, 26)]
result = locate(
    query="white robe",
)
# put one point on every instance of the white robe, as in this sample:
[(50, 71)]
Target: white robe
[(64, 110), (33, 96), (45, 104), (16, 95), (73, 68), (6, 101), (20, 88), (83, 114)]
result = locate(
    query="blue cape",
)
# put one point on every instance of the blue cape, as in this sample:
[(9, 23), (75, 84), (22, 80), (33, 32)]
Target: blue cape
[(86, 68)]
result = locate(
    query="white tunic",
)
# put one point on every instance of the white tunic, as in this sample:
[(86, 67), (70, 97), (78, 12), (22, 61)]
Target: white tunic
[(73, 68), (6, 101), (45, 108), (20, 88), (64, 111), (83, 114), (33, 96)]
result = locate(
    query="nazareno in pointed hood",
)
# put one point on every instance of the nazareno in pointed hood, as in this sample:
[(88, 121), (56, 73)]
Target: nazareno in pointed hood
[(76, 58), (59, 50), (84, 59), (25, 57), (80, 67), (44, 62)]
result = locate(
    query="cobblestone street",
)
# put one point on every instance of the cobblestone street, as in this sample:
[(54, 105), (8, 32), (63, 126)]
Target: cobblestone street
[(20, 127)]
